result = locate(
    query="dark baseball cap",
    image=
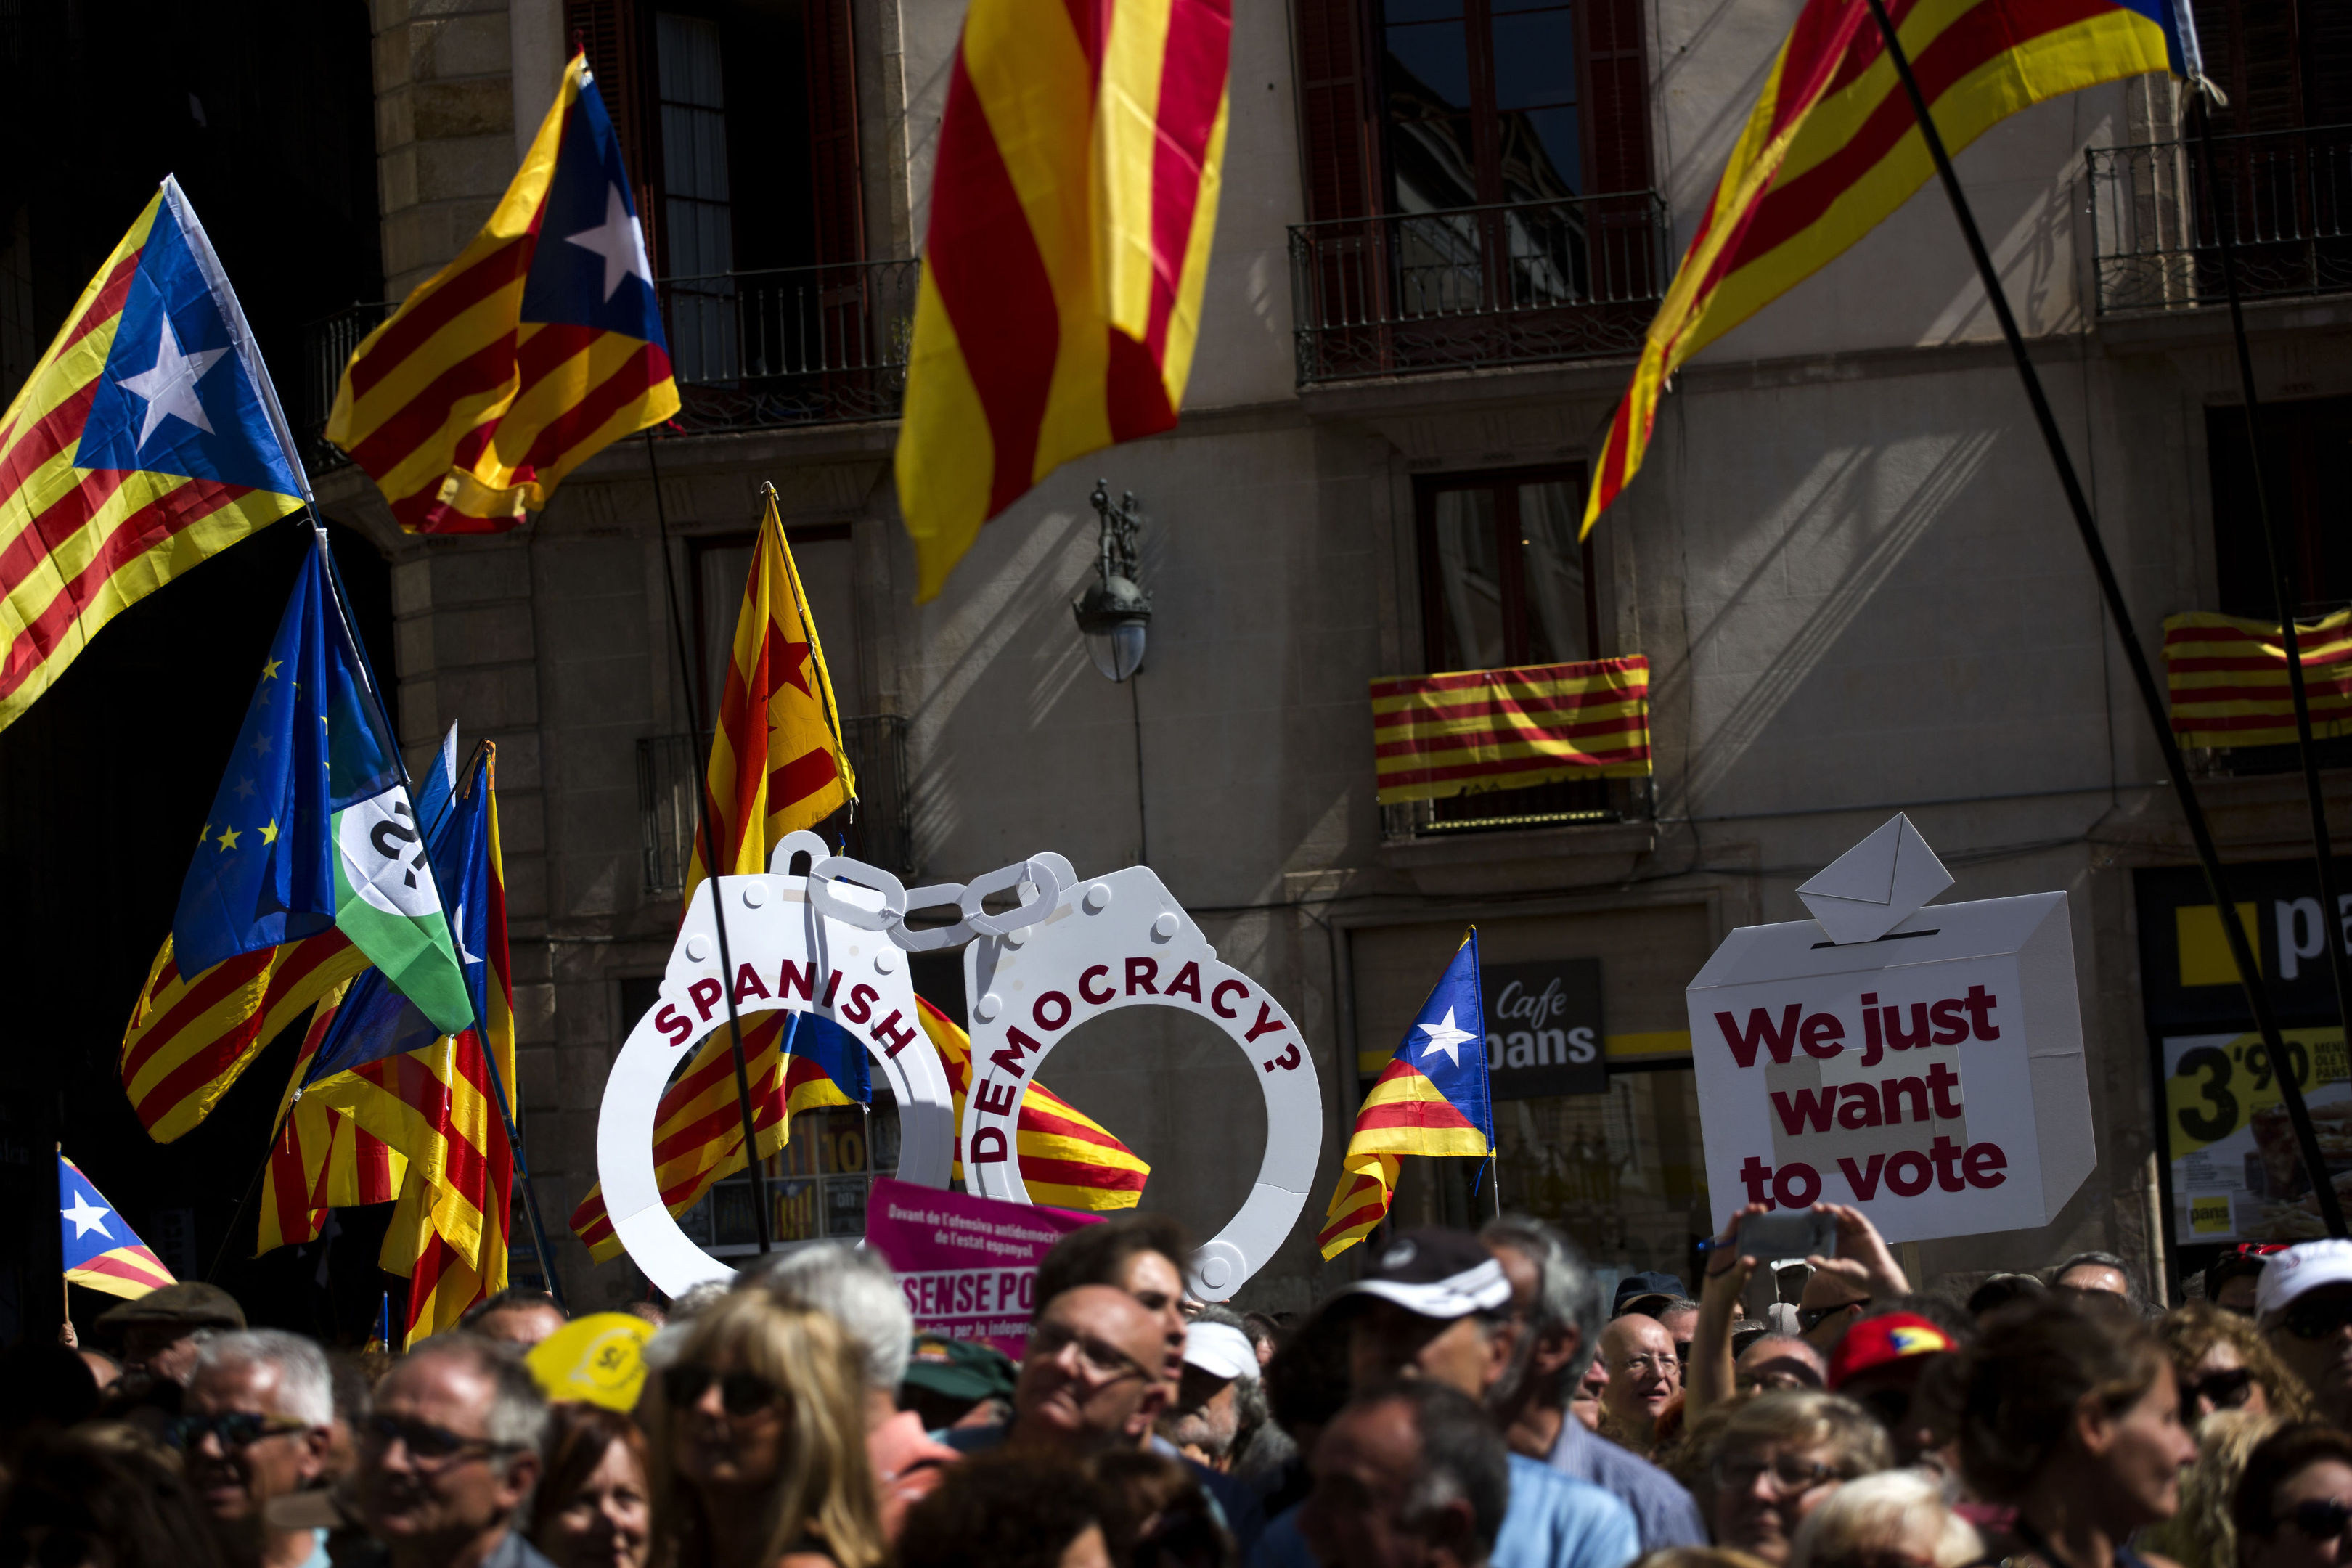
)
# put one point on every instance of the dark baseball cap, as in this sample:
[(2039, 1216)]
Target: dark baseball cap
[(1437, 1273), (958, 1369), (1634, 1292), (194, 1303)]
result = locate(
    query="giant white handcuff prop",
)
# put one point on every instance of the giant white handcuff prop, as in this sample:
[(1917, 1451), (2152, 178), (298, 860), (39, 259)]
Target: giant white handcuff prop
[(834, 943)]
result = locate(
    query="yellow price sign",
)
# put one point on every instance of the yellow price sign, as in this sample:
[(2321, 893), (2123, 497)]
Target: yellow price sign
[(2217, 1089), (2211, 1216)]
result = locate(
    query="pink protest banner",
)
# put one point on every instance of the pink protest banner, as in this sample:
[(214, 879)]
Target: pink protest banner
[(968, 1265)]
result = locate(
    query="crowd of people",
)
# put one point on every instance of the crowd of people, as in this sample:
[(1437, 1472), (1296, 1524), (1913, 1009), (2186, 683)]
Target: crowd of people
[(1472, 1399)]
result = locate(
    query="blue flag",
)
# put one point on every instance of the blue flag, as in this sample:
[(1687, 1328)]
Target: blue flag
[(1447, 1042), (101, 1250), (841, 1054), (311, 827)]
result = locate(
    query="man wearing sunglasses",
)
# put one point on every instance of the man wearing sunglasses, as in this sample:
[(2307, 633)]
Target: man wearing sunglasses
[(1090, 1382), (253, 1428), (450, 1453), (2303, 1305)]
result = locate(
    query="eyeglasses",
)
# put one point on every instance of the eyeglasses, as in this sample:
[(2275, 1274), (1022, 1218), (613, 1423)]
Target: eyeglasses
[(1643, 1365), (2222, 1390), (430, 1448), (1812, 1318), (1100, 1359), (740, 1392), (237, 1429), (2315, 1317), (2324, 1519), (1791, 1476)]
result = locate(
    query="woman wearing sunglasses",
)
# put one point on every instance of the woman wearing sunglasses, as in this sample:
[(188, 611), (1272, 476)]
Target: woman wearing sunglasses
[(2224, 1364), (758, 1439), (2294, 1509), (2070, 1415)]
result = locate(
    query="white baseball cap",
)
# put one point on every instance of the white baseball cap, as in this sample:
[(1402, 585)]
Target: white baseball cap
[(1221, 1351), (2300, 1269)]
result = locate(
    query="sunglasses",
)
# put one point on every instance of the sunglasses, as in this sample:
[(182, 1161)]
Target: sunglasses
[(2222, 1390), (430, 1448), (740, 1392), (2324, 1519), (2312, 1319), (237, 1429)]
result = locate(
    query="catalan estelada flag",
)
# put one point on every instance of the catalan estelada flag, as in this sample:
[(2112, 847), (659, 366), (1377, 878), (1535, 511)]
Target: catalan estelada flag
[(794, 1062), (1432, 1099), (1072, 204), (101, 1250), (147, 439), (1067, 1158), (538, 347), (1439, 735), (776, 762), (2229, 678), (1831, 149)]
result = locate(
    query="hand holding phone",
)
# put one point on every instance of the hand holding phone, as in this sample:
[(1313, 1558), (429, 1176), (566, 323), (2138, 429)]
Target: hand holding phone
[(1798, 1233)]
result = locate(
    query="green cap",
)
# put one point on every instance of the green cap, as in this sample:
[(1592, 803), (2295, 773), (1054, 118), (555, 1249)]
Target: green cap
[(956, 1369)]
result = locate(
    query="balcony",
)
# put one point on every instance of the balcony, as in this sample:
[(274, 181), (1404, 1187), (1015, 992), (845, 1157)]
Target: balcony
[(669, 770), (1475, 287), (751, 351), (2287, 194)]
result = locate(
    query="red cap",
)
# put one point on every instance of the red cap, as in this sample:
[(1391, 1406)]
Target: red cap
[(1875, 1341)]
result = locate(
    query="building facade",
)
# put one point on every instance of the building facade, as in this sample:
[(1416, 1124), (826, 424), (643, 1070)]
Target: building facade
[(1443, 228)]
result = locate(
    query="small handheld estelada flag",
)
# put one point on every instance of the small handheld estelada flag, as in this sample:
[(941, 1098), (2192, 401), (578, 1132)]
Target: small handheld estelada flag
[(101, 1250), (1432, 1099)]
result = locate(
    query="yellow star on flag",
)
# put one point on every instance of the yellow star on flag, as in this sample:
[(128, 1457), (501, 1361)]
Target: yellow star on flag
[(245, 789), (270, 833), (228, 839), (269, 668)]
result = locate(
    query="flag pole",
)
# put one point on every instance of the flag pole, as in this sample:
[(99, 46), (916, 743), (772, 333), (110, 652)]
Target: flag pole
[(708, 832), (2331, 1212), (2225, 226)]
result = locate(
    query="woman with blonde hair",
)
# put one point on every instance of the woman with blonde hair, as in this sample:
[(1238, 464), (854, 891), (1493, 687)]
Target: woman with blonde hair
[(1896, 1516), (758, 1435), (2224, 1364), (1779, 1457)]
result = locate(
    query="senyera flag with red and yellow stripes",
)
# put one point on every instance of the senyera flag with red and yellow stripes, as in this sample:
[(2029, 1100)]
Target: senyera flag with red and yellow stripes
[(699, 1126), (1072, 204), (2229, 678), (323, 1158), (145, 441), (538, 347), (190, 1036), (1439, 735), (776, 760), (1067, 1158), (1831, 149)]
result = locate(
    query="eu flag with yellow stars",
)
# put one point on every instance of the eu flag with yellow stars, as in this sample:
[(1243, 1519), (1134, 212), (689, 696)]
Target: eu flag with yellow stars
[(312, 825)]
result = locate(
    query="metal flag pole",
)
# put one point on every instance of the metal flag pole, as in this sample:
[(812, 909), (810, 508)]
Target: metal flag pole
[(2225, 226), (2331, 1212), (708, 832)]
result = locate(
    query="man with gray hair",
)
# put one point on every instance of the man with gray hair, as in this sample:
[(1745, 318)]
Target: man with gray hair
[(253, 1428), (855, 1288), (450, 1454), (1558, 1305)]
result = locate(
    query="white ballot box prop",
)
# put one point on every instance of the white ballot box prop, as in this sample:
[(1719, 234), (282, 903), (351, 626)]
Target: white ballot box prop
[(1933, 1077)]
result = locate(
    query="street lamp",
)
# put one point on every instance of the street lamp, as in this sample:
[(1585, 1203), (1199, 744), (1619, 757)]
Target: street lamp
[(1113, 614)]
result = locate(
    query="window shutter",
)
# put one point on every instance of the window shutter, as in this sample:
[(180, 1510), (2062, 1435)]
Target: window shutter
[(1618, 154), (2326, 62), (1335, 116), (840, 195)]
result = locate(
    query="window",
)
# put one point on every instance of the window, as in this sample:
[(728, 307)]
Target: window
[(2285, 64), (1504, 580), (697, 221), (1469, 102), (2308, 463)]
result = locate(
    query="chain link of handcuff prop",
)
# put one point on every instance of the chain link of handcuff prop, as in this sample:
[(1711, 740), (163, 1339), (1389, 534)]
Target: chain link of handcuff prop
[(828, 942)]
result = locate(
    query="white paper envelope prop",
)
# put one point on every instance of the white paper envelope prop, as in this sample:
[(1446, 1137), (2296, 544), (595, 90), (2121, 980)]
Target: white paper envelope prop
[(1866, 893), (1932, 1078)]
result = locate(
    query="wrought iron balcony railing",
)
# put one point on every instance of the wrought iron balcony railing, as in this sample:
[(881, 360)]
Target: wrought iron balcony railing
[(669, 770), (2287, 196), (752, 350), (1527, 283)]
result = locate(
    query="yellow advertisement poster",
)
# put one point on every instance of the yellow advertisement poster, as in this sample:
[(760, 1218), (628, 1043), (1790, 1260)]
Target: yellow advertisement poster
[(2236, 1172)]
